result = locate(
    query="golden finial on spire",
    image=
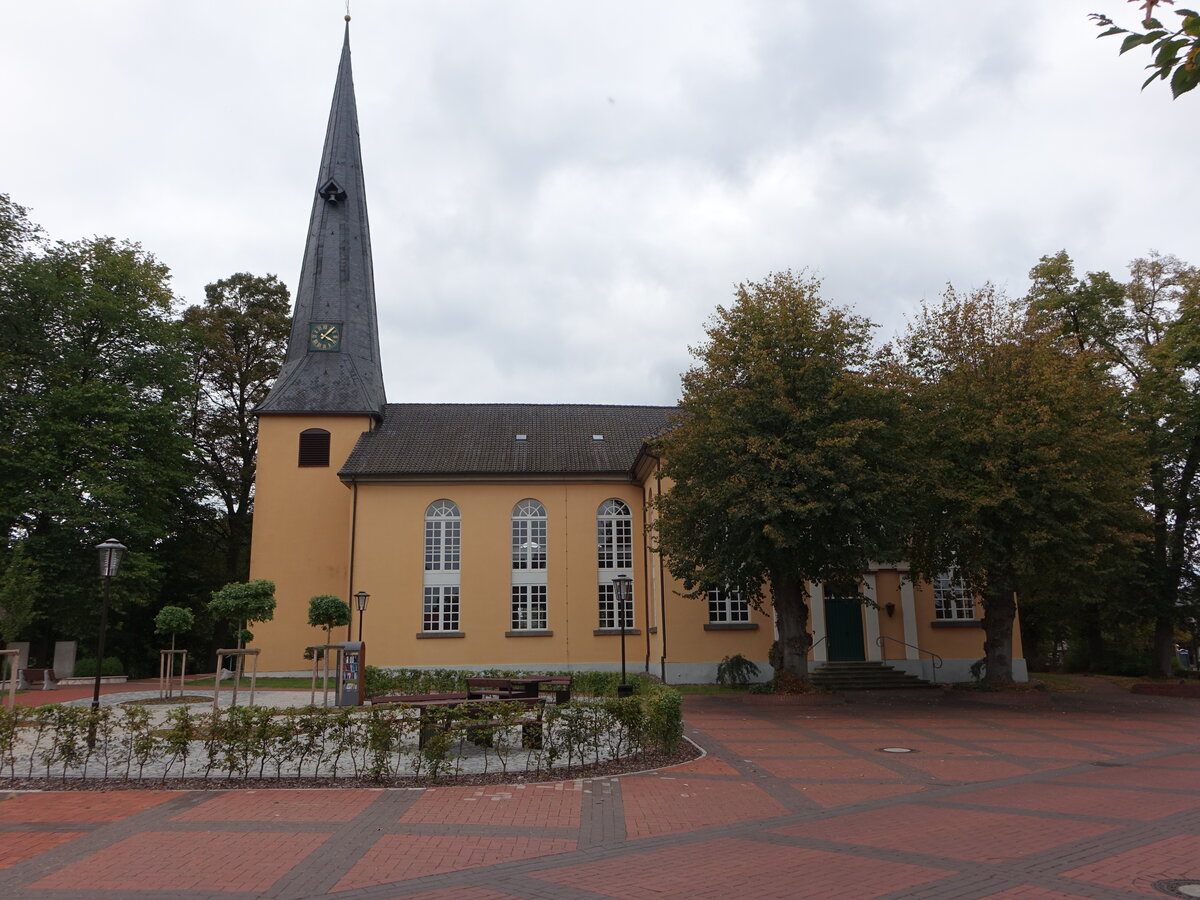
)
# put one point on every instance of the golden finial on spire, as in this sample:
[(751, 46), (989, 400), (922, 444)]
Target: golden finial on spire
[(347, 10)]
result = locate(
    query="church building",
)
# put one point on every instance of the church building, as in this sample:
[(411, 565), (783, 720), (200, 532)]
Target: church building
[(490, 535)]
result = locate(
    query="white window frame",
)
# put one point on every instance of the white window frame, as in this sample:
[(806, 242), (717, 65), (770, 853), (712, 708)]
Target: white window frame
[(529, 608), (614, 556), (442, 602), (441, 608), (952, 602), (726, 607)]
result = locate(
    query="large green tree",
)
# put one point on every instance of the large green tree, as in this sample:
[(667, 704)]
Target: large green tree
[(1147, 331), (784, 461), (92, 379), (1026, 473), (236, 341)]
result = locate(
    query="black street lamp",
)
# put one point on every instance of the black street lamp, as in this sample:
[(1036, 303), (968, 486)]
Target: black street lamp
[(361, 599), (622, 594), (110, 552)]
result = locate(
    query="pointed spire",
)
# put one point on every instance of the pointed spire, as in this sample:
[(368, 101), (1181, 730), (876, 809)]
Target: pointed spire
[(332, 362)]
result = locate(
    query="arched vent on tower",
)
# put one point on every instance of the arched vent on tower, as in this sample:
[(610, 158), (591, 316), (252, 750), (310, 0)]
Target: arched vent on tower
[(332, 192), (314, 447)]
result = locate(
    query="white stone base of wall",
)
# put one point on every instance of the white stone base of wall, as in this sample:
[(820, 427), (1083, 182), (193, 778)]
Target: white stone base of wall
[(951, 671)]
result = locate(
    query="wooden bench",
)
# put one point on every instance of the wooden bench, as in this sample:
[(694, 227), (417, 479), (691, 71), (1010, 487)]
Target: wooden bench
[(27, 678), (498, 688), (479, 714), (533, 685)]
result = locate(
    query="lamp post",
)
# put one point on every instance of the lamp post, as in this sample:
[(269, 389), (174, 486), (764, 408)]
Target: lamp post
[(110, 552), (622, 591), (361, 599)]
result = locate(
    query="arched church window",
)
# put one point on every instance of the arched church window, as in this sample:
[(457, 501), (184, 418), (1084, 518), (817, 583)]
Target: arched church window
[(529, 603), (614, 556), (314, 447), (443, 556)]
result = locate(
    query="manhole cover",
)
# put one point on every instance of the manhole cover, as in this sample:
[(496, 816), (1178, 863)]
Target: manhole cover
[(1179, 887), (897, 750)]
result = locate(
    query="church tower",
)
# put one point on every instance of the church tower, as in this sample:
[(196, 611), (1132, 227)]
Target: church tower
[(328, 393)]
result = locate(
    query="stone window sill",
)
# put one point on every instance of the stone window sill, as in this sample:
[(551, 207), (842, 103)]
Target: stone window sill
[(606, 632), (441, 634), (531, 632), (956, 623), (731, 626)]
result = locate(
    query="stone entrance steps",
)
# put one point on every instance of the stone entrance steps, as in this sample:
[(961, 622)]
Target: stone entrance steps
[(863, 676)]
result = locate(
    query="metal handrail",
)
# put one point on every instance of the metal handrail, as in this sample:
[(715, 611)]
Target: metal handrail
[(937, 660)]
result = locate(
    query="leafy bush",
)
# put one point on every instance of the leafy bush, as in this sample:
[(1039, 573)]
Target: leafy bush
[(380, 742), (86, 668), (736, 670)]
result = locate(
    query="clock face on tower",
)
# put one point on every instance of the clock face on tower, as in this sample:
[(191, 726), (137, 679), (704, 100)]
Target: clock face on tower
[(324, 336)]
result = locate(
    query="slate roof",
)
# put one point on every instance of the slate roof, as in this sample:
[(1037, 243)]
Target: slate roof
[(337, 280), (427, 439)]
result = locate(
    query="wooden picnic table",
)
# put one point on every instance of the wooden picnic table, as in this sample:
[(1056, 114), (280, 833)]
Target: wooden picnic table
[(428, 704)]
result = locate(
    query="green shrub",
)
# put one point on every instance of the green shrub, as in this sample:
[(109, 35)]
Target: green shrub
[(86, 668), (736, 670)]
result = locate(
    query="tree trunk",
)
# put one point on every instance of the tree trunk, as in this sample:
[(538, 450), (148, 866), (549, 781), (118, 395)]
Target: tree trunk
[(1000, 609), (791, 619), (1093, 637), (1164, 647)]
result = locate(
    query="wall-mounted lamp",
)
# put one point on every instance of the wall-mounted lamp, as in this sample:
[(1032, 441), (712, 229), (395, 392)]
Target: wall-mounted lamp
[(891, 608)]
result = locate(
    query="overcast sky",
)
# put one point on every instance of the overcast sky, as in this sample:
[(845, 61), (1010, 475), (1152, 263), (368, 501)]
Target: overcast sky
[(561, 192)]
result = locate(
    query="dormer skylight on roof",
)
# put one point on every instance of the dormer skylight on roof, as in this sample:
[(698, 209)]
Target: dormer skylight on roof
[(597, 437), (522, 437)]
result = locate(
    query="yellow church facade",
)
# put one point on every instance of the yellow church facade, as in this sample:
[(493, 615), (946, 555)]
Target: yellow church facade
[(490, 535)]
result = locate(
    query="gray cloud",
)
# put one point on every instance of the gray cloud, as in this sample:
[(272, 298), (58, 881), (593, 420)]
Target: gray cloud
[(561, 193)]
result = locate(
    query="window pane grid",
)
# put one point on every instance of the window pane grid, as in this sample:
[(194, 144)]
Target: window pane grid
[(441, 608), (529, 607), (951, 600), (443, 537), (529, 543), (614, 536), (726, 605), (608, 608)]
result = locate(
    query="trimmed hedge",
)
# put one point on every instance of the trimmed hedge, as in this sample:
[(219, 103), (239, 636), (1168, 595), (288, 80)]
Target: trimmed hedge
[(377, 743)]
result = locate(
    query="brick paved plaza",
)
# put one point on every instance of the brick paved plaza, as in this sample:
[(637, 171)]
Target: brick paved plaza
[(1006, 796)]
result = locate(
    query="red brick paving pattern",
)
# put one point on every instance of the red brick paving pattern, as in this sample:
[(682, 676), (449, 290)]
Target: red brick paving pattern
[(657, 805), (542, 806), (280, 806), (965, 834), (709, 765), (726, 868), (1139, 806), (198, 861), (1137, 870), (402, 856), (1032, 892), (459, 893), (79, 806), (829, 796), (828, 769), (19, 846), (796, 800)]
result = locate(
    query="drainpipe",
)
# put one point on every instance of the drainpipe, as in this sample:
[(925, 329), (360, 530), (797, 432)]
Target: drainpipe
[(662, 584), (353, 540)]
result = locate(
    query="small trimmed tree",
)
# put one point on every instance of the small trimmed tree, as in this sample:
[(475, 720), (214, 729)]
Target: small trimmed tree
[(326, 611), (243, 603), (172, 620)]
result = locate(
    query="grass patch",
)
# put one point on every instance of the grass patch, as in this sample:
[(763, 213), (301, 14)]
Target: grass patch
[(294, 684), (709, 688), (1059, 684)]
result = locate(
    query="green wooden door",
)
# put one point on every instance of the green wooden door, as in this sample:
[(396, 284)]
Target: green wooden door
[(843, 624)]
